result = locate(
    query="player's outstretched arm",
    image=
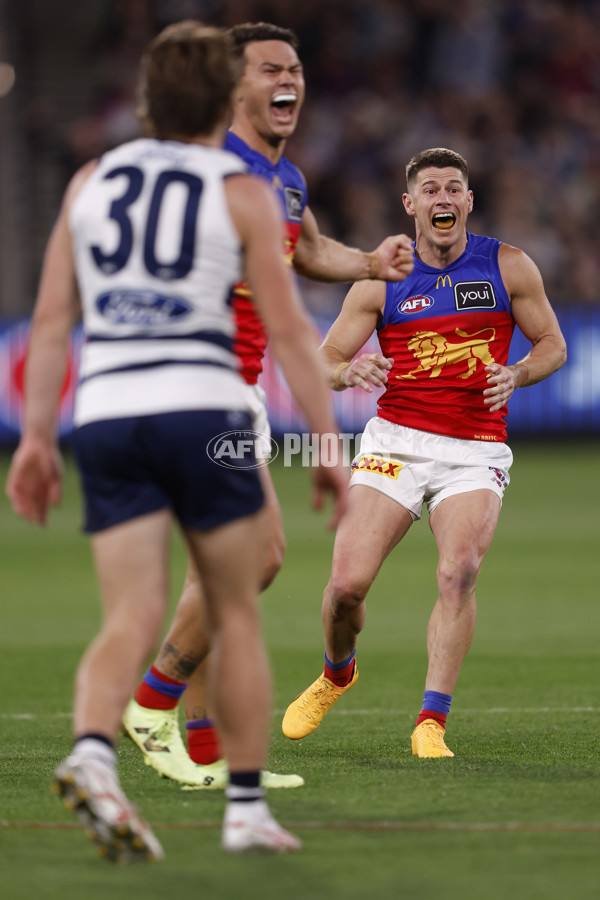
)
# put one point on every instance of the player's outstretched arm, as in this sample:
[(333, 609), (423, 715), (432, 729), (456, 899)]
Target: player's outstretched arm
[(535, 317), (291, 333), (35, 476), (325, 259)]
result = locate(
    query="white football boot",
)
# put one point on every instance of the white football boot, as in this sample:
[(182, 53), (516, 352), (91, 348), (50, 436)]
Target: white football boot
[(250, 828), (90, 788)]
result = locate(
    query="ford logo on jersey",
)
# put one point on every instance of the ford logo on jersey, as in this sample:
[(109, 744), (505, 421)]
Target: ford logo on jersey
[(415, 304), (130, 307)]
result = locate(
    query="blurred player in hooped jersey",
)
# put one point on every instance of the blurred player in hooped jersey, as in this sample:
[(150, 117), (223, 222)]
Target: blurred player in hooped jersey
[(148, 244), (268, 100), (439, 434)]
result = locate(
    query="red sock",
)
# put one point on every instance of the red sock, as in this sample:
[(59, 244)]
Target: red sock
[(440, 718), (340, 677), (158, 691), (203, 742)]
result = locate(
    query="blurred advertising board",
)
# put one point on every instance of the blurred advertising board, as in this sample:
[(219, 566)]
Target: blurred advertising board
[(568, 403)]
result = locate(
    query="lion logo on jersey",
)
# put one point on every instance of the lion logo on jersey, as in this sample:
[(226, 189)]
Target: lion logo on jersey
[(434, 352)]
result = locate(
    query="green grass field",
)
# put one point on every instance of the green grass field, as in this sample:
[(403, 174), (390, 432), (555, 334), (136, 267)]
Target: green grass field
[(514, 815)]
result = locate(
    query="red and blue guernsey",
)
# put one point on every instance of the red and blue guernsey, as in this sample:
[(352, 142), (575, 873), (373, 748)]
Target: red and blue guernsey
[(443, 327), (288, 183)]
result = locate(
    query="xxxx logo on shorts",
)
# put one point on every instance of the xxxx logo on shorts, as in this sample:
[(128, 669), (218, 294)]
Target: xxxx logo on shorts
[(378, 466)]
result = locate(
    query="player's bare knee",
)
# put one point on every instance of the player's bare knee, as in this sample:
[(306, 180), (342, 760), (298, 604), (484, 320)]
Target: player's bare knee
[(457, 579), (345, 594), (117, 632)]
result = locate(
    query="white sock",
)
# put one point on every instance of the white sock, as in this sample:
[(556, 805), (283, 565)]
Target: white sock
[(246, 811), (90, 748)]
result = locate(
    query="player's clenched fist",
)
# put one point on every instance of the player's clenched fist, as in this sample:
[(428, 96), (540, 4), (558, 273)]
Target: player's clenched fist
[(393, 260)]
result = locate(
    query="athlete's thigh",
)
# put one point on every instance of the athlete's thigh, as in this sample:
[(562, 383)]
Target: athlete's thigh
[(465, 523), (271, 522), (371, 528), (131, 561), (228, 560)]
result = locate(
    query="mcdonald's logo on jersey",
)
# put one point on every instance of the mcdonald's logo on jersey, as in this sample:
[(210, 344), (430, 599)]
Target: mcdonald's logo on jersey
[(442, 281)]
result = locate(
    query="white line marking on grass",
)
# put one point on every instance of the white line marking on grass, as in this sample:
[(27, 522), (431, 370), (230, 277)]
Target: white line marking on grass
[(33, 716), (545, 827)]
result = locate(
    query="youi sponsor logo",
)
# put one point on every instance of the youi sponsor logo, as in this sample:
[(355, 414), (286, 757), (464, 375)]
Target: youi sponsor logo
[(474, 295)]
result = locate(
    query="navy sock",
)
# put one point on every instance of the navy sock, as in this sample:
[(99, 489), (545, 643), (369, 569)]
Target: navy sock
[(95, 736), (436, 706), (244, 787)]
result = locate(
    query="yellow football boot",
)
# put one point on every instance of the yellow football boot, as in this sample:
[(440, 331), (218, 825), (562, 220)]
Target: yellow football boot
[(427, 740), (156, 733), (306, 712)]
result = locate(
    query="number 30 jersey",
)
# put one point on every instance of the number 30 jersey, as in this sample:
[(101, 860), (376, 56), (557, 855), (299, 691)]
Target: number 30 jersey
[(443, 327), (157, 256)]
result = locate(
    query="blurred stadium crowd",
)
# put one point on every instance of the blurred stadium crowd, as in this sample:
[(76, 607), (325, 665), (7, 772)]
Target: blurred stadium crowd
[(514, 86)]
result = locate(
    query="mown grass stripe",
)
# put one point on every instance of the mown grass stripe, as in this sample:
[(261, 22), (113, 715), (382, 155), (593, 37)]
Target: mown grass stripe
[(496, 710)]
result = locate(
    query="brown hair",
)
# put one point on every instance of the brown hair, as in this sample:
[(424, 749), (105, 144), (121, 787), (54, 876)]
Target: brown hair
[(250, 32), (187, 75), (436, 158)]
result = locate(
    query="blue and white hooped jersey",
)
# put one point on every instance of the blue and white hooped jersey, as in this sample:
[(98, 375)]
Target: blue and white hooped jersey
[(157, 256)]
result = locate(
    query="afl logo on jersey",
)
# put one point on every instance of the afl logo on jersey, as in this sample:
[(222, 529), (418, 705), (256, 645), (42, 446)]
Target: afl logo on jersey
[(415, 304), (131, 307)]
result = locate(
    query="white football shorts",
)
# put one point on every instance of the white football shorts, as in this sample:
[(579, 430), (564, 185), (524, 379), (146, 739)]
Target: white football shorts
[(415, 467), (256, 404)]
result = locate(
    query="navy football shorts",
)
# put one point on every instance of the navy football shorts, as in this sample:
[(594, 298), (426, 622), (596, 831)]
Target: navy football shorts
[(134, 466)]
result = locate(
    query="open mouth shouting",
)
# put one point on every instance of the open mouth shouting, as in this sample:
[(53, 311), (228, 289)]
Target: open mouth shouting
[(444, 221), (283, 106)]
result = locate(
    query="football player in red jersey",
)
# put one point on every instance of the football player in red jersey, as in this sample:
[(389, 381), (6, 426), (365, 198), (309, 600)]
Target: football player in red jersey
[(439, 436), (269, 97)]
